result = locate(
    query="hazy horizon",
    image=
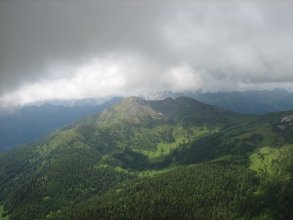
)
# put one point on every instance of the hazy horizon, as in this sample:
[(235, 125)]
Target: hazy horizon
[(62, 50)]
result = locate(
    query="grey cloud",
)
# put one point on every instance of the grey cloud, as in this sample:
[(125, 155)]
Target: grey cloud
[(227, 44), (244, 40), (36, 34)]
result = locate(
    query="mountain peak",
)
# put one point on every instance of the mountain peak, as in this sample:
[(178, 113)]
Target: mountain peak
[(133, 99), (133, 109)]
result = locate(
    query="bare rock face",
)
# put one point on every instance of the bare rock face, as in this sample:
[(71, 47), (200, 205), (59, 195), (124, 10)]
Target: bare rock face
[(286, 122), (287, 119)]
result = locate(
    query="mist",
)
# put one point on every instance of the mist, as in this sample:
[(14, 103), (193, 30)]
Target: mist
[(73, 49)]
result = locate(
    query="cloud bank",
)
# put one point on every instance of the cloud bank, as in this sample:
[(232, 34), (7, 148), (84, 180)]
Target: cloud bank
[(78, 49)]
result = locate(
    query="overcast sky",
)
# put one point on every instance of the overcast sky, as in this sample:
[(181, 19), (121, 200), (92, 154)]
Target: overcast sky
[(63, 49)]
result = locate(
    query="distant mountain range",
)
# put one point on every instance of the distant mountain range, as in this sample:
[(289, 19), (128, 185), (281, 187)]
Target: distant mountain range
[(249, 102), (245, 102), (32, 122), (176, 158)]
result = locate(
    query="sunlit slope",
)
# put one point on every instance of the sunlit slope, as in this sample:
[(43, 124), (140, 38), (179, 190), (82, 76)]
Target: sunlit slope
[(139, 143)]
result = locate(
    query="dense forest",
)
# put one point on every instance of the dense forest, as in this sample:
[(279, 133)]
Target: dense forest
[(169, 159)]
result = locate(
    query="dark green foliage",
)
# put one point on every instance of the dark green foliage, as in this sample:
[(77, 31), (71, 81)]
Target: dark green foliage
[(275, 195), (67, 176), (189, 112), (276, 200), (211, 147), (196, 192), (131, 160), (170, 159)]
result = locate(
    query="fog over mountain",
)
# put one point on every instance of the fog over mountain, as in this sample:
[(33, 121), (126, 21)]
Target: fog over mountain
[(82, 49)]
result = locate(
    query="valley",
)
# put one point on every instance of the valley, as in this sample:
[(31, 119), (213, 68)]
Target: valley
[(166, 159), (146, 110)]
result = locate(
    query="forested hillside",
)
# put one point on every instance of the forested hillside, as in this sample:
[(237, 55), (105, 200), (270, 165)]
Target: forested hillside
[(168, 159)]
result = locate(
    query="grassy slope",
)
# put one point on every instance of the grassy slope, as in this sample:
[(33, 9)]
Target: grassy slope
[(274, 194), (264, 178), (260, 189), (67, 166), (89, 159)]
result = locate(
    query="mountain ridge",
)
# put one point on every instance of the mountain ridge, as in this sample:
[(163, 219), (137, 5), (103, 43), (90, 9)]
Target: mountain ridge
[(79, 171), (33, 122)]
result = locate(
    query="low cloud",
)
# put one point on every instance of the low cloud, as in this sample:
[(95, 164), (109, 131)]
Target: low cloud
[(72, 49)]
